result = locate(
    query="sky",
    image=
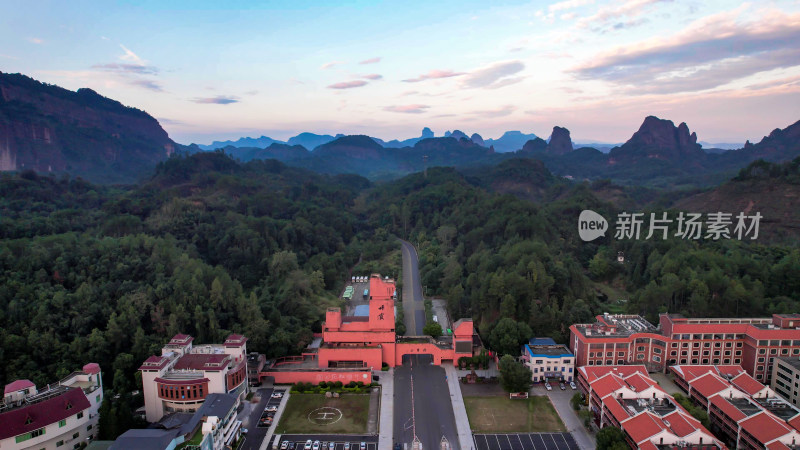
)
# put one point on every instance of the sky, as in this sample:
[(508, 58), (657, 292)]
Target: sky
[(221, 70)]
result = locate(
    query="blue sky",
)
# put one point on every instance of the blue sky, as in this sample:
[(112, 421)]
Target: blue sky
[(220, 70)]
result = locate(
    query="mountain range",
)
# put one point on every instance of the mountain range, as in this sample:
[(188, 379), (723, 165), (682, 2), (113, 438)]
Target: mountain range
[(50, 129)]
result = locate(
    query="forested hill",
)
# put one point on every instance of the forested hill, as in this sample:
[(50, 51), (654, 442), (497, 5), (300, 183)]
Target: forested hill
[(50, 129), (208, 246)]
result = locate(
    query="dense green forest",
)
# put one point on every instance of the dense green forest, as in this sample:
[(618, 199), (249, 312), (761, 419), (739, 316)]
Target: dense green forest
[(209, 246)]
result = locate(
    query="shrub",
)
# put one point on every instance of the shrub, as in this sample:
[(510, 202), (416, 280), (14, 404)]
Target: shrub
[(338, 384), (323, 384)]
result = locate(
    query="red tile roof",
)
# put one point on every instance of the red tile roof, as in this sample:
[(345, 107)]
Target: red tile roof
[(201, 361), (154, 363), (648, 446), (18, 386), (642, 426), (747, 384), (91, 368), (616, 409), (794, 422), (728, 408), (682, 424), (709, 384), (180, 339), (235, 340), (640, 382), (592, 373), (764, 427), (42, 413), (607, 385), (777, 445)]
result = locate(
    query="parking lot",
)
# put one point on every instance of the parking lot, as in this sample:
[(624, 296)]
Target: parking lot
[(299, 441), (525, 441), (268, 414)]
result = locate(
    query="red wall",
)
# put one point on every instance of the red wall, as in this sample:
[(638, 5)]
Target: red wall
[(371, 356), (317, 377), (423, 349)]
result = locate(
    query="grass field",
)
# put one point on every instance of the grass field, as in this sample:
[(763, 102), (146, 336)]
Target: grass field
[(500, 414), (354, 408)]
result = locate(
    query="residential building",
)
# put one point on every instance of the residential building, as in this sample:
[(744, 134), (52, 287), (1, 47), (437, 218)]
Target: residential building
[(752, 343), (183, 375), (742, 411), (212, 427), (627, 398), (353, 346), (786, 378), (548, 360), (60, 416)]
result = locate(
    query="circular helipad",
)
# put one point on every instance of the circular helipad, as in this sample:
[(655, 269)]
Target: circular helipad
[(325, 416)]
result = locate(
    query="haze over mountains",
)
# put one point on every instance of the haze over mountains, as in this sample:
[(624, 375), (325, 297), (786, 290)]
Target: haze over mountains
[(50, 129)]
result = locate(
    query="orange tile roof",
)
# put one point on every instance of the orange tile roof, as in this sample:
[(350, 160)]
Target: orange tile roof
[(764, 427), (777, 445), (682, 424), (640, 382), (616, 409)]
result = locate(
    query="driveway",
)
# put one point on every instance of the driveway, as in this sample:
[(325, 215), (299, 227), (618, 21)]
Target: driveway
[(560, 400)]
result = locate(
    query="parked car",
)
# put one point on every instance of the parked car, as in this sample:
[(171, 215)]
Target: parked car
[(548, 387), (285, 445), (291, 445), (277, 395), (363, 446), (308, 445), (572, 385), (346, 446), (315, 446), (271, 408), (331, 445), (562, 386)]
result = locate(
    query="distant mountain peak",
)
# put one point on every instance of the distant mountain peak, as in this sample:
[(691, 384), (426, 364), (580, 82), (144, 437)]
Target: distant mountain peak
[(560, 141), (660, 138), (427, 133)]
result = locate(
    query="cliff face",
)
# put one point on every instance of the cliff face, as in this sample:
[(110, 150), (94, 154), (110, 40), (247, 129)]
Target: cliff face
[(49, 129), (560, 142)]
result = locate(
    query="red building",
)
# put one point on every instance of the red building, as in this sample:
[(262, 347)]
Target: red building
[(748, 414), (353, 346), (627, 398), (630, 339)]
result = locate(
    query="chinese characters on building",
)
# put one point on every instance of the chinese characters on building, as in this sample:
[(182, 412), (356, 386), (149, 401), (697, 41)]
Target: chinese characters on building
[(712, 226)]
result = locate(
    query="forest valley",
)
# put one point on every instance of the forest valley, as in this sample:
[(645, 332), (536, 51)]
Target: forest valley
[(209, 245)]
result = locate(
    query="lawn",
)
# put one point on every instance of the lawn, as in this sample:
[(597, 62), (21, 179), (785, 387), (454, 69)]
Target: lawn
[(500, 414), (354, 414)]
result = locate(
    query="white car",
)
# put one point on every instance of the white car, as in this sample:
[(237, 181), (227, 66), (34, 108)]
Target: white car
[(363, 446), (315, 446), (271, 408), (277, 395), (346, 446), (285, 445), (548, 387), (572, 385), (308, 445), (331, 445)]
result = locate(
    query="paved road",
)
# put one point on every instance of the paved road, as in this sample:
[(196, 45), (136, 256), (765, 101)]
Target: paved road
[(413, 302), (249, 417), (432, 408), (560, 400)]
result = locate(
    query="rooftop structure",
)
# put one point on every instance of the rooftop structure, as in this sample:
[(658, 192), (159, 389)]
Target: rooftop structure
[(752, 343), (749, 414), (626, 397), (65, 412), (183, 375)]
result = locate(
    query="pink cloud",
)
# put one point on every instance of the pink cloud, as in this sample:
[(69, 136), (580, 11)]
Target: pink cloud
[(373, 76), (330, 64), (434, 74), (374, 60), (348, 84), (408, 109)]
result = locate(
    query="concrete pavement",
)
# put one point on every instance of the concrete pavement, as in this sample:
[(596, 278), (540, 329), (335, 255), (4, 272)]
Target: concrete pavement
[(277, 419), (560, 400), (386, 424), (459, 410)]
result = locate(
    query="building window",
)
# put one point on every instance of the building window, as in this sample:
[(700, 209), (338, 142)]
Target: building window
[(656, 358), (59, 443), (88, 428), (80, 415), (75, 436), (62, 423)]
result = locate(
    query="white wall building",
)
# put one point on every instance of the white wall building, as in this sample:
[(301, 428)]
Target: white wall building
[(58, 416), (180, 379), (548, 360)]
